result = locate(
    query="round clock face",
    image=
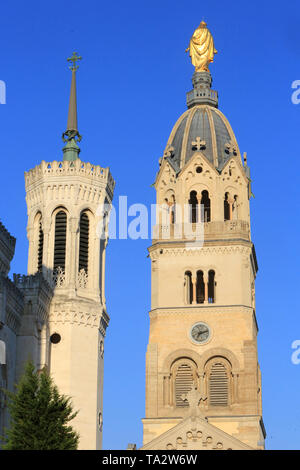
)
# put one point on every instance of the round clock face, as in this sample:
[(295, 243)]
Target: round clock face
[(200, 333)]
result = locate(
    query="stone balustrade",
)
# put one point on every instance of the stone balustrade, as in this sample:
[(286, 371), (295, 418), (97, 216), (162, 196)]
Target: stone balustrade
[(211, 230)]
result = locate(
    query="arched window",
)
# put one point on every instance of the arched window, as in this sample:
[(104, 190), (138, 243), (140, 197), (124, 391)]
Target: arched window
[(193, 202), (40, 247), (84, 242), (188, 283), (39, 237), (206, 203), (60, 240), (226, 208), (200, 288), (184, 373), (173, 210), (218, 372), (211, 286)]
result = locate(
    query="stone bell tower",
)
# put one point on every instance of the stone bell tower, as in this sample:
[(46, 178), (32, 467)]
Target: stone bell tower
[(67, 244), (203, 382)]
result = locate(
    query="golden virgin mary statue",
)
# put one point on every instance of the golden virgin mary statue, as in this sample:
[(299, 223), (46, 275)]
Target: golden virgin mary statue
[(201, 48)]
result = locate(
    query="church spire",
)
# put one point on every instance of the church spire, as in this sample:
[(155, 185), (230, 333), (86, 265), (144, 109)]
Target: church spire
[(71, 136)]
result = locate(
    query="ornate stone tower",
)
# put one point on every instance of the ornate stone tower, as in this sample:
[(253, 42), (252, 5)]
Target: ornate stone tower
[(203, 327), (66, 243)]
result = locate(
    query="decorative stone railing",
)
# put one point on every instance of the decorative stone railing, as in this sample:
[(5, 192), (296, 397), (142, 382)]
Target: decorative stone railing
[(59, 277), (210, 230), (82, 279)]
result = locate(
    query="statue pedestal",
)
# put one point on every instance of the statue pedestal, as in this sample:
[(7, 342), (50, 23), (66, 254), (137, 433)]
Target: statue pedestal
[(202, 92)]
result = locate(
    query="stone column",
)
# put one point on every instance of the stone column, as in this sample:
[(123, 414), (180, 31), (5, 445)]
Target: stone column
[(166, 386), (199, 210), (103, 255), (171, 401), (205, 280), (170, 206), (201, 388), (31, 250), (194, 282), (235, 398), (230, 202), (46, 250)]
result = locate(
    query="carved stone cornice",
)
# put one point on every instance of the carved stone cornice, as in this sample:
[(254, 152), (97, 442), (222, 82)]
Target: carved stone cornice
[(86, 314), (190, 309), (160, 250), (54, 173)]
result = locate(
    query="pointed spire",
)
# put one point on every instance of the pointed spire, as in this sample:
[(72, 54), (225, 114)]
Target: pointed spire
[(71, 136), (72, 117)]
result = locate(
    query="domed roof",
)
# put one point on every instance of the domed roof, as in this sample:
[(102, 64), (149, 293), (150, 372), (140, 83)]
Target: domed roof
[(205, 128)]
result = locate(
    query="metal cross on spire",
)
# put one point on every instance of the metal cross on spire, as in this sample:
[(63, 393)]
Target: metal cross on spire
[(74, 59)]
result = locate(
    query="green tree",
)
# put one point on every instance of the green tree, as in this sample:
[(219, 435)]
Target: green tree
[(39, 415)]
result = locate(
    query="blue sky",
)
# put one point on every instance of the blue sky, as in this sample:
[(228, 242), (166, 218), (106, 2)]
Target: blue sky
[(131, 90)]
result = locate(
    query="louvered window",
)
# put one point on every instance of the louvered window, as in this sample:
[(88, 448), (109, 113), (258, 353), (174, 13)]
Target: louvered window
[(84, 242), (183, 383), (218, 385), (60, 240), (40, 247)]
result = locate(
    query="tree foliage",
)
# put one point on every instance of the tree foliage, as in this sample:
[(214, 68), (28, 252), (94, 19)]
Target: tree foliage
[(39, 415)]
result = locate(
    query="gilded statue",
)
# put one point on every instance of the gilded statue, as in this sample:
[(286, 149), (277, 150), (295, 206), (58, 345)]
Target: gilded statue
[(201, 48)]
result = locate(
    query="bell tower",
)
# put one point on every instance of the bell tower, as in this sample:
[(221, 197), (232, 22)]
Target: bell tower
[(203, 328), (67, 243)]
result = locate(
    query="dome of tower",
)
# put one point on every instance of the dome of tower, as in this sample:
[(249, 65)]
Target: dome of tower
[(202, 127)]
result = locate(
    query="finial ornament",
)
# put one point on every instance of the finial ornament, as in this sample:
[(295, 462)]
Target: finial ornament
[(74, 59), (230, 148), (201, 48), (169, 151)]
